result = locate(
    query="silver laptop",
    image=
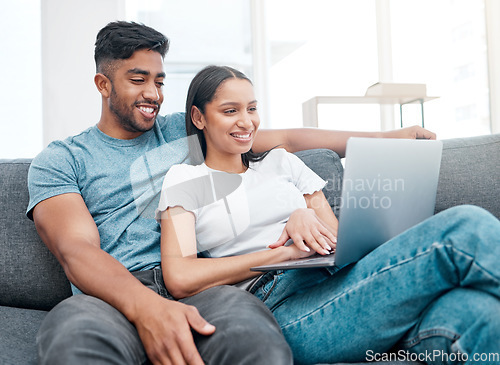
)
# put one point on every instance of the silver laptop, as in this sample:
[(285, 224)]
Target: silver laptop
[(389, 185)]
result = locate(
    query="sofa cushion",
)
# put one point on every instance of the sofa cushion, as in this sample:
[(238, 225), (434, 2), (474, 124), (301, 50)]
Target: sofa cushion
[(30, 276), (17, 337), (470, 173)]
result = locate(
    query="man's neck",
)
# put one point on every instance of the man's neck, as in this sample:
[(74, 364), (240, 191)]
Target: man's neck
[(113, 128)]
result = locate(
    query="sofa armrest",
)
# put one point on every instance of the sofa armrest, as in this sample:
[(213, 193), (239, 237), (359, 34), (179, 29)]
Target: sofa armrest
[(30, 276)]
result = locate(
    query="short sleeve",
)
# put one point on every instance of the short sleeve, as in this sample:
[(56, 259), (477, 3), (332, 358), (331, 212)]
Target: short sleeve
[(305, 179), (51, 173), (172, 126), (186, 186)]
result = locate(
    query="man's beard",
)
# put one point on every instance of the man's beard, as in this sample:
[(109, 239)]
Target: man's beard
[(125, 114)]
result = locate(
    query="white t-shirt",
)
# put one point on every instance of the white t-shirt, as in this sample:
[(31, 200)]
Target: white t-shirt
[(240, 213)]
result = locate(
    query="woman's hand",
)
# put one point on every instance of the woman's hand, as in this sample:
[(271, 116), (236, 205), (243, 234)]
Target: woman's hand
[(308, 232)]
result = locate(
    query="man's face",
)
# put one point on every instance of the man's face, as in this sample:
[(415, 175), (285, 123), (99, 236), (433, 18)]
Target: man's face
[(136, 94)]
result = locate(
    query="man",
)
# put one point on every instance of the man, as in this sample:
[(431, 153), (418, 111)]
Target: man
[(87, 197)]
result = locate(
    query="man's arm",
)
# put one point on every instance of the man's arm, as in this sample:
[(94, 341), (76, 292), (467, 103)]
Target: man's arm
[(67, 228), (299, 139)]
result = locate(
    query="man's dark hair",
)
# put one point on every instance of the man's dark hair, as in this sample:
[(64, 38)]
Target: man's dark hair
[(119, 40)]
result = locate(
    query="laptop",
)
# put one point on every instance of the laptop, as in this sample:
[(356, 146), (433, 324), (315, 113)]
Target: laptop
[(389, 185)]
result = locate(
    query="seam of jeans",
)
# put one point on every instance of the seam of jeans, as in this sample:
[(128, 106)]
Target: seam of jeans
[(263, 280), (435, 332), (285, 288), (474, 262), (456, 347), (161, 290), (255, 284), (275, 282), (362, 282)]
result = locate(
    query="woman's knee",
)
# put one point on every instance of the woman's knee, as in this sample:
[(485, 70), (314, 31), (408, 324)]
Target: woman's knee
[(462, 320), (468, 214)]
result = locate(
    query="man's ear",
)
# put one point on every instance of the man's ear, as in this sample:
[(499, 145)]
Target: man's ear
[(103, 84), (197, 118)]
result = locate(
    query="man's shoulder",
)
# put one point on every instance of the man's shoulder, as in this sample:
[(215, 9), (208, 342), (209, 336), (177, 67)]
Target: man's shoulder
[(55, 169), (64, 148), (172, 120), (173, 126)]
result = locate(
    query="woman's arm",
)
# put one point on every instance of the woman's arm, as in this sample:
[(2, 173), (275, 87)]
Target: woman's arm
[(312, 228), (299, 139), (317, 201), (185, 274)]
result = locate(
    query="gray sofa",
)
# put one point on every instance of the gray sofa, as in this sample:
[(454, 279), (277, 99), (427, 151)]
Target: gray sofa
[(32, 281)]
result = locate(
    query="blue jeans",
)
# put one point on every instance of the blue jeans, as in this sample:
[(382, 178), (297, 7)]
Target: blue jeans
[(433, 291), (85, 330)]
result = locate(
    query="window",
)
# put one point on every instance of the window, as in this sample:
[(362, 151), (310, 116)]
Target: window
[(21, 91), (443, 44), (292, 49), (215, 33), (321, 47), (326, 47)]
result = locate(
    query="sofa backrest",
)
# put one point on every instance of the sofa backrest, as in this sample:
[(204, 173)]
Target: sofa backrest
[(327, 165), (30, 276), (470, 173)]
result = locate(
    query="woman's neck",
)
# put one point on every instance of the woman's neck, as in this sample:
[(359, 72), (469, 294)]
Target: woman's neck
[(232, 164)]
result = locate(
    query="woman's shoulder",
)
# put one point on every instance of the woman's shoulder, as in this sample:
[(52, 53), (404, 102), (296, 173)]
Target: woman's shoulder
[(277, 154), (181, 172), (277, 161), (280, 155)]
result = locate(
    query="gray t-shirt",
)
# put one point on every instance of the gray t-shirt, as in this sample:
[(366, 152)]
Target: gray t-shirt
[(120, 182)]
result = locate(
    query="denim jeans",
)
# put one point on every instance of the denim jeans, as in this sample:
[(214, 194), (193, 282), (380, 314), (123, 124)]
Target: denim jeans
[(85, 330), (433, 291)]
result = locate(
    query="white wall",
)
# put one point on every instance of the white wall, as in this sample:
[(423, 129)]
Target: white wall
[(55, 38), (71, 102), (20, 84), (493, 34)]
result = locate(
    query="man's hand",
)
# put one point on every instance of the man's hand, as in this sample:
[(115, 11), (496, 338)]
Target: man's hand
[(165, 330), (414, 132), (308, 232)]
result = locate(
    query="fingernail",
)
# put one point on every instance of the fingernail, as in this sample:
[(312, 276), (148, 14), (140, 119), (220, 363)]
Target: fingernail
[(307, 249), (326, 252)]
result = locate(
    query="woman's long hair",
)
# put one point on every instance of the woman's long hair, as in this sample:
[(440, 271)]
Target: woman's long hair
[(201, 91)]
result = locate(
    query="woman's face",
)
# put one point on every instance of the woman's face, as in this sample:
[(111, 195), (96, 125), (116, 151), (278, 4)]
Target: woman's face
[(231, 120)]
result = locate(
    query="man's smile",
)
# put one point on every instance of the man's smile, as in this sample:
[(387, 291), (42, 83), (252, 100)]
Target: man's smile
[(149, 111)]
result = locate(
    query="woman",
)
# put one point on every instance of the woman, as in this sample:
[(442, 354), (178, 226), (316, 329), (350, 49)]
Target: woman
[(219, 218)]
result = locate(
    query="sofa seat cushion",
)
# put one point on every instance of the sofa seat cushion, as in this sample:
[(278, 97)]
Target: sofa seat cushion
[(17, 337)]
